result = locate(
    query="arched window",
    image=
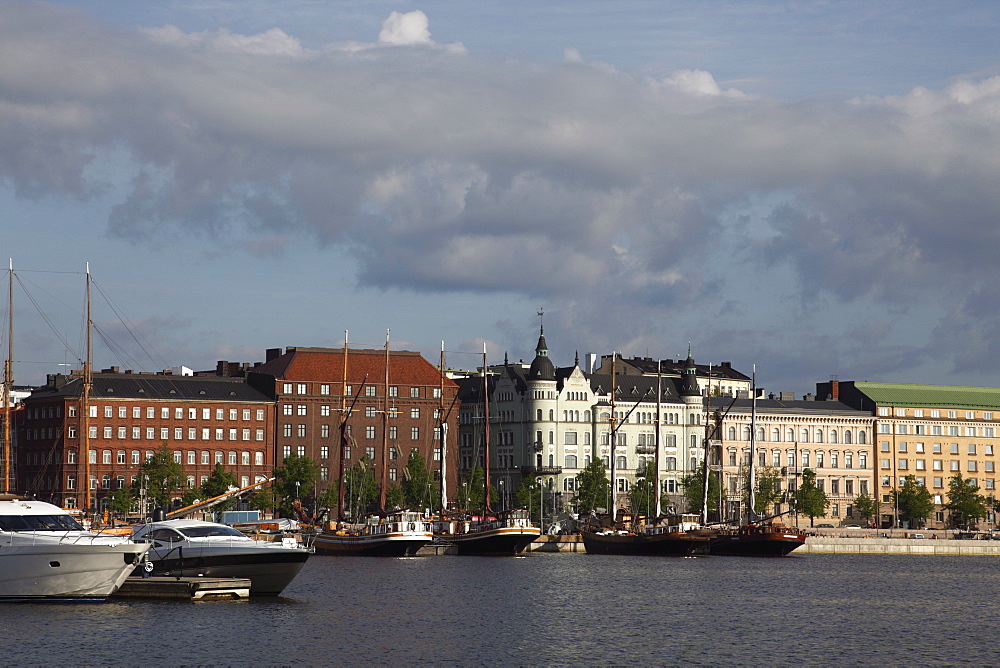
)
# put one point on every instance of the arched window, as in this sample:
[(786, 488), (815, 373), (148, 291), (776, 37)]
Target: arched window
[(671, 463), (746, 433), (586, 416), (552, 460), (552, 415), (569, 461), (861, 438), (694, 464), (621, 462), (732, 433), (819, 435), (833, 435), (760, 433), (790, 435), (776, 435), (538, 415), (847, 437), (586, 438), (805, 436)]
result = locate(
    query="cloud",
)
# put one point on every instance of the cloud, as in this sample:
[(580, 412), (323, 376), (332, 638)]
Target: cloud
[(437, 169)]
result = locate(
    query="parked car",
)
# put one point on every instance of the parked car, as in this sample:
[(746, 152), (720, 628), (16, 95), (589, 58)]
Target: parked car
[(824, 526)]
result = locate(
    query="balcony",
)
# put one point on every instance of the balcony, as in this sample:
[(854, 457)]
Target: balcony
[(541, 470), (645, 449)]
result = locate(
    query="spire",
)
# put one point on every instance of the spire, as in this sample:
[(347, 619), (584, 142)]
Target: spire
[(541, 367), (576, 360), (689, 377)]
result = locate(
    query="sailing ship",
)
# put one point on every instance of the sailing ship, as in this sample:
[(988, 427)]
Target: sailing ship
[(757, 537), (396, 534), (504, 533)]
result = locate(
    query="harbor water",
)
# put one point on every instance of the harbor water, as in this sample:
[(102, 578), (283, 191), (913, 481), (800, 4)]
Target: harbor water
[(551, 609)]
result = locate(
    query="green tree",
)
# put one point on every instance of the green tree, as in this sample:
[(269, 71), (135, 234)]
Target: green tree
[(161, 477), (593, 489), (642, 495), (913, 501), (866, 506), (419, 489), (394, 497), (964, 501), (261, 499), (527, 493), (809, 498), (219, 482), (361, 490), (767, 489), (120, 501), (472, 490), (693, 485), (294, 479)]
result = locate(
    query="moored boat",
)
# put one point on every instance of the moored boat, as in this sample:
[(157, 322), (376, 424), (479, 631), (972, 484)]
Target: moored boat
[(506, 534), (633, 537), (757, 540), (46, 555), (399, 534), (196, 548)]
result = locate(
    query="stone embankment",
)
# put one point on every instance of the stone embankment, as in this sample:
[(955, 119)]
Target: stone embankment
[(831, 545)]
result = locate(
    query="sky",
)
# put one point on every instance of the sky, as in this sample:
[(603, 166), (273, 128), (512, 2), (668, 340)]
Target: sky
[(810, 188)]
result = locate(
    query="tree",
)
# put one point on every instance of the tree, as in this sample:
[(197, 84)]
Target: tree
[(472, 491), (593, 489), (964, 501), (121, 501), (261, 499), (419, 489), (809, 498), (360, 488), (528, 493), (913, 501), (767, 489), (294, 479), (394, 497), (642, 496), (160, 477), (219, 482), (693, 485), (866, 506)]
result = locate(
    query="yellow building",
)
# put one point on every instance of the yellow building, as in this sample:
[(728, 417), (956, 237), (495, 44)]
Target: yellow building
[(932, 432)]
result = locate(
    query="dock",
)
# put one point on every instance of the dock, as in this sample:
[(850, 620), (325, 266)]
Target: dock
[(184, 588)]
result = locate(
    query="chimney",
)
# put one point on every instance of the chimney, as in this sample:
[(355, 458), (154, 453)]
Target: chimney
[(272, 353), (835, 390)]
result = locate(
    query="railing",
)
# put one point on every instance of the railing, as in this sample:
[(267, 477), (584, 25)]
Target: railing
[(541, 470)]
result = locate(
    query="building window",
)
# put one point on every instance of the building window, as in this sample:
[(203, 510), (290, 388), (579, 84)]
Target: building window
[(415, 433), (205, 457), (232, 458), (369, 390), (301, 431), (370, 431), (415, 413), (258, 458), (245, 458)]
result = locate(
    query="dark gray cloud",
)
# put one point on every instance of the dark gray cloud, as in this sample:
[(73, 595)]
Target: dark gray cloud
[(436, 169)]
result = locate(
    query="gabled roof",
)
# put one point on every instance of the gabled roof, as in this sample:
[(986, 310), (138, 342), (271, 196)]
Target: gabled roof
[(955, 396), (636, 388)]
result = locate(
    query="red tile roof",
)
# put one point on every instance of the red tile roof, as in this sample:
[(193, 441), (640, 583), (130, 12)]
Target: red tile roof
[(327, 365)]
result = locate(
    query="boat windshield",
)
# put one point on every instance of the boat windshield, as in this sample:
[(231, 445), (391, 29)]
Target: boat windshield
[(205, 532), (39, 523)]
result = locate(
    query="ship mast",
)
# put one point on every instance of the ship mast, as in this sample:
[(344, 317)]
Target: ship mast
[(612, 438), (8, 379), (656, 477), (486, 436), (752, 497), (385, 431), (705, 444), (341, 509), (85, 402), (444, 437)]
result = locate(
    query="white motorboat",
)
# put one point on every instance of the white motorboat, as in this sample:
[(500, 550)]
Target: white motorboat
[(195, 548), (46, 555)]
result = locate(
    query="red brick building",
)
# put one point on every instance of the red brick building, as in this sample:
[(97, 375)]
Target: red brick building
[(204, 420), (310, 389)]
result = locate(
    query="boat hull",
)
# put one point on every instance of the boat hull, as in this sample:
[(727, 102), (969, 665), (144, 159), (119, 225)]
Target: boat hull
[(497, 542), (269, 570), (765, 544), (65, 571), (641, 544), (399, 544)]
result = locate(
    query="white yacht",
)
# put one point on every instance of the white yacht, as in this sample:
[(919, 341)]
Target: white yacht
[(194, 548), (46, 555)]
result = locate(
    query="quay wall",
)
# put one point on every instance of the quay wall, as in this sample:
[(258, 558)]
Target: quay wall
[(828, 545)]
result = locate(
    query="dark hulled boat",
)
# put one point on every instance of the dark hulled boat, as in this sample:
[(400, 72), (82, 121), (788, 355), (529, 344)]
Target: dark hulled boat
[(664, 540), (398, 535), (757, 540), (506, 535)]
